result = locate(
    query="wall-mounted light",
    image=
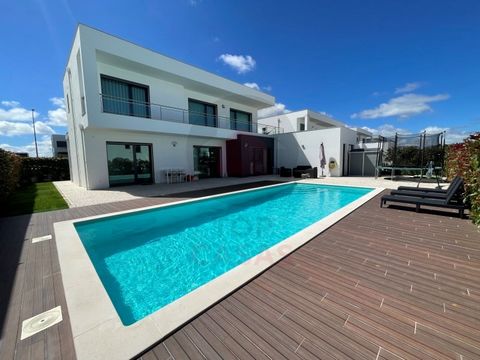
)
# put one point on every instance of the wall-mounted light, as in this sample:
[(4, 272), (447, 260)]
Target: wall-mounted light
[(303, 147), (223, 106), (174, 143)]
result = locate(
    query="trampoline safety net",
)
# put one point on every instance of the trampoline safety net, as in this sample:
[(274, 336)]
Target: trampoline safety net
[(411, 151)]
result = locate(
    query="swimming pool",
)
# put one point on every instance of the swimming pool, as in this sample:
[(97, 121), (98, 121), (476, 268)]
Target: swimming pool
[(149, 259)]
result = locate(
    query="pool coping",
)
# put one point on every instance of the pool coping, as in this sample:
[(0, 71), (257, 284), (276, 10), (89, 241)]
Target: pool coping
[(97, 330)]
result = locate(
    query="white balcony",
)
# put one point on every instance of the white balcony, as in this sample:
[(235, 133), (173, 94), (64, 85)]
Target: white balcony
[(125, 107)]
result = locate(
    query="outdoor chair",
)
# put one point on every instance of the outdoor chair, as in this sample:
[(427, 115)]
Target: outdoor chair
[(305, 169), (285, 172)]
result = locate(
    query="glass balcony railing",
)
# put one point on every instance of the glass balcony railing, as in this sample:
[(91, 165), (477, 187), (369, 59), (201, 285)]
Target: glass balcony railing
[(121, 106)]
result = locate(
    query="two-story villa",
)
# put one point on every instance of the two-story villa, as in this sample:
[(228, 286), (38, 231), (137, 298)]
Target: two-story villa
[(133, 114)]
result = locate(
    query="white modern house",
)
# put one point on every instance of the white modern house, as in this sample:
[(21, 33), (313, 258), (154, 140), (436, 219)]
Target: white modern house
[(134, 116), (303, 132), (59, 146)]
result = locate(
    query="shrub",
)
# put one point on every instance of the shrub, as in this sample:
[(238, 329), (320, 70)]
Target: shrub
[(10, 171), (464, 159)]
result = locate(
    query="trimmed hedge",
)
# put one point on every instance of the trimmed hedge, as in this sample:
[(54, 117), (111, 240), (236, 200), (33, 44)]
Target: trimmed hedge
[(10, 173), (16, 171), (464, 159), (44, 169)]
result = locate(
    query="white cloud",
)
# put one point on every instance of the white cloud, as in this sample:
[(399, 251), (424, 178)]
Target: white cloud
[(44, 147), (276, 109), (10, 103), (255, 86), (241, 63), (58, 116), (403, 106), (58, 101), (386, 130), (452, 136), (11, 128), (14, 112), (252, 85), (408, 87), (16, 120)]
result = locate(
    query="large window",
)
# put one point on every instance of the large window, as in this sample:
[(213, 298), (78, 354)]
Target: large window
[(125, 98), (240, 120), (201, 113)]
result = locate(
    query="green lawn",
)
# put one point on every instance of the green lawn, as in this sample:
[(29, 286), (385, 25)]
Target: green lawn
[(34, 198)]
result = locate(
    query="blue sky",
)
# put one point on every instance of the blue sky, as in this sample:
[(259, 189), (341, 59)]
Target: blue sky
[(387, 65)]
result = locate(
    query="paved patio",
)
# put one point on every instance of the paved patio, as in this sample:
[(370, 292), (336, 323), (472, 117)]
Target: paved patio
[(380, 284), (77, 196)]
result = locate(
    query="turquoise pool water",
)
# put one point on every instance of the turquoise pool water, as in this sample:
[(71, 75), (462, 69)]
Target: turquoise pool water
[(148, 259)]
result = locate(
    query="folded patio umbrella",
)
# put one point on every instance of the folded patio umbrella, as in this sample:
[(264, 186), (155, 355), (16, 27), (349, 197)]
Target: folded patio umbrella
[(323, 159)]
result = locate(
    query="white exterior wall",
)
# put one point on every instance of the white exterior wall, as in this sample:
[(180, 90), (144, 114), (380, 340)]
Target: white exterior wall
[(288, 122), (171, 83), (303, 148), (367, 146), (165, 155), (72, 91)]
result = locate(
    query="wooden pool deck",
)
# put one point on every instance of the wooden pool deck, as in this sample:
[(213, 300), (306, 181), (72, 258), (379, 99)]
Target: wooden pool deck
[(380, 284)]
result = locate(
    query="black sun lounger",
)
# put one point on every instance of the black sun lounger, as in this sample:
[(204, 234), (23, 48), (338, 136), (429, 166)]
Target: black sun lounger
[(423, 189), (447, 203), (419, 194), (456, 187)]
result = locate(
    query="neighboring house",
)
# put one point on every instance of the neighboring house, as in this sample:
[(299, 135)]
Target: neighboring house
[(303, 120), (59, 145), (303, 133), (363, 136), (134, 114)]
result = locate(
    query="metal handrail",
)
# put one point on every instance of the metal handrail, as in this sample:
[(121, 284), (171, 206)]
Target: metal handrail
[(122, 106)]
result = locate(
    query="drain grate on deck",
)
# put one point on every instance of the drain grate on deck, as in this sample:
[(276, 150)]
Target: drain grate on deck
[(41, 322), (41, 238)]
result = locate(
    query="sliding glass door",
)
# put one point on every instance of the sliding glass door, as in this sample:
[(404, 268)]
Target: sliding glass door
[(129, 163), (207, 161)]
